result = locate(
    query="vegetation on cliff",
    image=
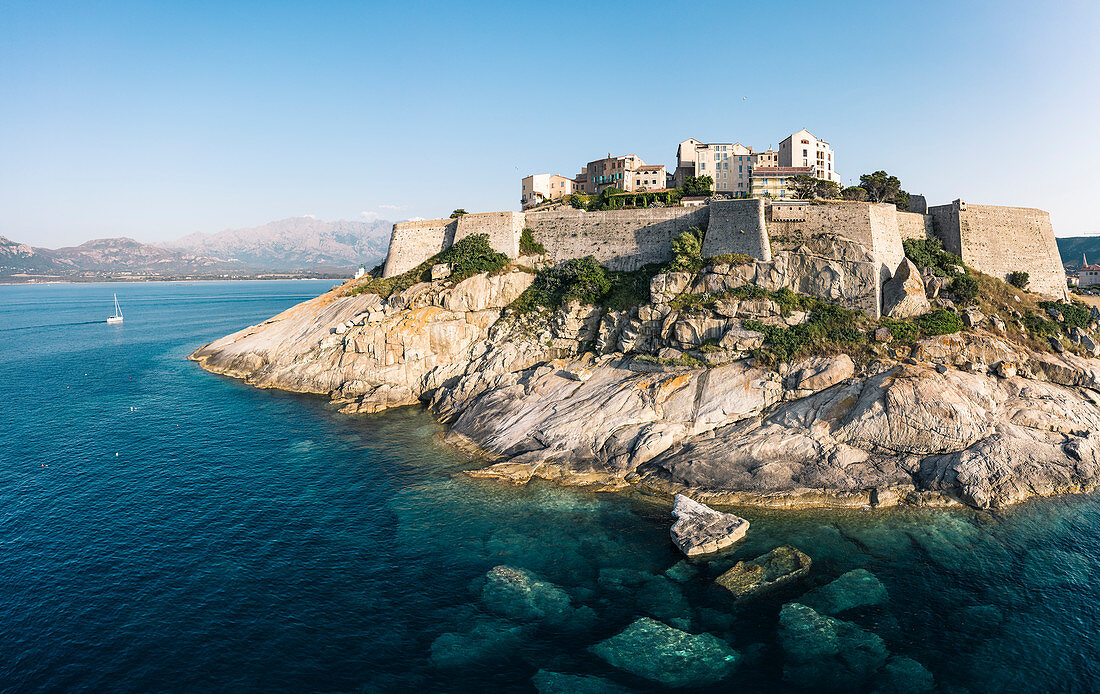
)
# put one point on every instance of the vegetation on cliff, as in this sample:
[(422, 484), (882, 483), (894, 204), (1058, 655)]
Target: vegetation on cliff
[(467, 257), (528, 245), (930, 253)]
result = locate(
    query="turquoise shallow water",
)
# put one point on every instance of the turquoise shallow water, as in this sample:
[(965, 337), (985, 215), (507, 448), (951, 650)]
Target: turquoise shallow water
[(166, 529)]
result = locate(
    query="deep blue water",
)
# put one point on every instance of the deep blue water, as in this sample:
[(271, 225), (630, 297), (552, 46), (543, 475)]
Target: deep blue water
[(166, 529)]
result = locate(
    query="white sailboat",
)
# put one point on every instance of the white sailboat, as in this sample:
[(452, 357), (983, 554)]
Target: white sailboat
[(117, 317)]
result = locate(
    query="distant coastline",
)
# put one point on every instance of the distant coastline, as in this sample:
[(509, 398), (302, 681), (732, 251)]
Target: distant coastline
[(42, 279)]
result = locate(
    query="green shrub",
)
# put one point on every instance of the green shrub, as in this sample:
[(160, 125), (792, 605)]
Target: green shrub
[(468, 257), (829, 328), (458, 213), (528, 245), (583, 279), (1075, 315), (902, 331), (687, 250), (1039, 325), (965, 289), (929, 253), (1019, 279), (940, 322), (629, 289)]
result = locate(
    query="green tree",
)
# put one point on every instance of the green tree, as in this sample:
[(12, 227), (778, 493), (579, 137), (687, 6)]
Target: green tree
[(854, 193), (826, 190), (880, 186), (458, 213), (695, 186), (1019, 279), (901, 200), (802, 186)]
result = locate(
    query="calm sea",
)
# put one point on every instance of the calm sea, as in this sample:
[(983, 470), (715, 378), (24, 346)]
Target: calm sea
[(166, 529)]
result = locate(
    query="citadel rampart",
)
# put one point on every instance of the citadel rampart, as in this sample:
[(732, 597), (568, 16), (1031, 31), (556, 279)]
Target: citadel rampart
[(791, 224), (1000, 240), (619, 239), (993, 240)]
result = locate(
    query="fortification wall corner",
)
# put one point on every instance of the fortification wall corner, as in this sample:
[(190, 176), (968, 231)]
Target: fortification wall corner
[(411, 243), (737, 226), (502, 228)]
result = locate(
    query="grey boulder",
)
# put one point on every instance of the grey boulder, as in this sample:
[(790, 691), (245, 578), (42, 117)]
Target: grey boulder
[(700, 530), (903, 296)]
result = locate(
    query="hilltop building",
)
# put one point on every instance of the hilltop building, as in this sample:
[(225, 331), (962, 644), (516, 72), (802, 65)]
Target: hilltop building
[(771, 181), (539, 187), (803, 149), (1088, 275), (627, 172), (731, 165)]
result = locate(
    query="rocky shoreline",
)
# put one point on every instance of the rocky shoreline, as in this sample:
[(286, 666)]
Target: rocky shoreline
[(610, 399)]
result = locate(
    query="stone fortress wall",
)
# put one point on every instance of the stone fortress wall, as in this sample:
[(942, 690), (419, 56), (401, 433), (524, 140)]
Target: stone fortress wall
[(1001, 240), (619, 239), (737, 226), (875, 226), (993, 240)]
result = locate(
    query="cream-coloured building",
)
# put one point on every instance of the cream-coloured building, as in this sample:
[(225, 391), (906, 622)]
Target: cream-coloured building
[(802, 149), (771, 181), (730, 164), (1088, 275), (539, 187), (627, 172)]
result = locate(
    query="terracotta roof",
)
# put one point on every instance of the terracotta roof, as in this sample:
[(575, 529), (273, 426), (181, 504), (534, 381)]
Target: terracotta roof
[(651, 167)]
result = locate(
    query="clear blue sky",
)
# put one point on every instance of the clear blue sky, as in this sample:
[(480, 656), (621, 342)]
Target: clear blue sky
[(154, 120)]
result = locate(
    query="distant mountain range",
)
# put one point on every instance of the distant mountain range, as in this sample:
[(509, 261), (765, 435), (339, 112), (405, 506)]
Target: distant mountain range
[(1071, 248), (295, 246)]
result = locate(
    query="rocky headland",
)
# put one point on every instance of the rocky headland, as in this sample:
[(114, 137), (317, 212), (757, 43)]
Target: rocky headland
[(718, 381)]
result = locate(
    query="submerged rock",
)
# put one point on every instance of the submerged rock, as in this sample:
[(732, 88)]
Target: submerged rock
[(827, 654), (520, 594), (700, 530), (857, 588), (674, 658), (780, 566), (486, 642), (902, 675), (682, 571), (548, 682)]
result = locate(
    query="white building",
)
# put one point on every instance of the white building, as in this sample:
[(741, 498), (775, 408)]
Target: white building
[(539, 187), (1088, 275), (802, 149), (730, 164)]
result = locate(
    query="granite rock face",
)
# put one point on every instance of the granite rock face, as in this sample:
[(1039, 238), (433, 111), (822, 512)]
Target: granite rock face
[(672, 657), (903, 296), (576, 395), (701, 530)]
